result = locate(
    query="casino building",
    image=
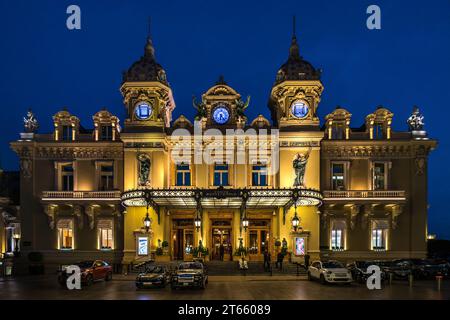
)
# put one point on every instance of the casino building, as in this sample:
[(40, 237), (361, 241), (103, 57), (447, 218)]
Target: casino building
[(125, 193)]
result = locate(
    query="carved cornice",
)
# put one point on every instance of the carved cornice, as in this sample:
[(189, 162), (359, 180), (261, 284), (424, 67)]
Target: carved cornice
[(376, 148)]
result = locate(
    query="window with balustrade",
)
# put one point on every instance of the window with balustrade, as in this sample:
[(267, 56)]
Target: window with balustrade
[(67, 177), (380, 175), (106, 133), (338, 176), (106, 177)]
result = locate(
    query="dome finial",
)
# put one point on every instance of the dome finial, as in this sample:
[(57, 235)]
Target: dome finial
[(149, 49), (294, 51)]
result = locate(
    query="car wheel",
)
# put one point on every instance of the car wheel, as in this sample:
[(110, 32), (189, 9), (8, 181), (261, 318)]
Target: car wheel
[(108, 276), (138, 286), (203, 285), (173, 287), (89, 280), (322, 279), (309, 276)]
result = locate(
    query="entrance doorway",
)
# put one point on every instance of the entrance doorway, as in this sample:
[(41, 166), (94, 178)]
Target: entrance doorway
[(221, 240), (259, 238), (183, 239)]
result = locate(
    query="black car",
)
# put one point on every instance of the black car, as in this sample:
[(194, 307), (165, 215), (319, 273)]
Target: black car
[(428, 268), (154, 276), (190, 274), (399, 269), (359, 272)]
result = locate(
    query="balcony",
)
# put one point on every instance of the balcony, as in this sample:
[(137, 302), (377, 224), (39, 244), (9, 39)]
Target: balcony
[(81, 195), (364, 195)]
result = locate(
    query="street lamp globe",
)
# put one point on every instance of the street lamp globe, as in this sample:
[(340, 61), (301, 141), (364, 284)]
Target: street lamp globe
[(245, 223), (197, 223)]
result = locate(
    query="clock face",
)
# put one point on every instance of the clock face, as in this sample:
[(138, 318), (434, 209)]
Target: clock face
[(299, 109), (221, 115), (143, 110)]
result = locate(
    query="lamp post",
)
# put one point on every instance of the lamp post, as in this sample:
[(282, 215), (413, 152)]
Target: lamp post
[(198, 223), (295, 220), (147, 221), (245, 223)]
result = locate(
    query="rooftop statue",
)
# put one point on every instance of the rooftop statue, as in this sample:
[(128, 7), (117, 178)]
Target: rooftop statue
[(240, 108), (30, 123), (415, 120)]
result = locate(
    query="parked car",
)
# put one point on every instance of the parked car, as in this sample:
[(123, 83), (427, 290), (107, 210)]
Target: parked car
[(190, 274), (400, 269), (428, 268), (153, 276), (91, 271), (358, 269), (329, 272)]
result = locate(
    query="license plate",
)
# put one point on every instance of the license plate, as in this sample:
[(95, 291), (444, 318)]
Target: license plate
[(185, 284)]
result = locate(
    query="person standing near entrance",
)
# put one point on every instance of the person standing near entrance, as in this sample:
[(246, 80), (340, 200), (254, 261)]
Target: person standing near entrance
[(221, 251)]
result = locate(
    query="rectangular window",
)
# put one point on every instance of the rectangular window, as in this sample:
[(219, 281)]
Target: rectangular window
[(338, 229), (67, 177), (106, 133), (379, 176), (259, 175), (338, 176), (183, 175), (337, 131), (380, 229), (105, 233), (106, 177), (66, 133), (221, 175), (65, 234), (378, 131)]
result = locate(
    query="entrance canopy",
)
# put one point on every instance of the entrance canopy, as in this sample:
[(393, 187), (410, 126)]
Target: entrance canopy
[(221, 198)]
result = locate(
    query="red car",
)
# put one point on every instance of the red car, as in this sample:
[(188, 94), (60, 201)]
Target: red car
[(90, 271)]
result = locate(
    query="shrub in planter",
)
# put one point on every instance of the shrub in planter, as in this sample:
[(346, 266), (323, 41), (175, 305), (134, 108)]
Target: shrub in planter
[(197, 250), (165, 244), (159, 251)]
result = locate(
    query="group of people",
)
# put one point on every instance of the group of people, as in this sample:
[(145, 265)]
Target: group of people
[(268, 260)]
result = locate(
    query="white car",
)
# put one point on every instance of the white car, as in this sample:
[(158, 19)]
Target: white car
[(329, 272)]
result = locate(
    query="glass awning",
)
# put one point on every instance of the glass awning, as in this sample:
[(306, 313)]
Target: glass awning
[(221, 198)]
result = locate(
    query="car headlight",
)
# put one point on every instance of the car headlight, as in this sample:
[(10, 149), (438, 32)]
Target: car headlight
[(329, 273)]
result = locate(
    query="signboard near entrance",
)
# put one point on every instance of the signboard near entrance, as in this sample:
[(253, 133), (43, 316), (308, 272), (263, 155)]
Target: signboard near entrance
[(142, 246), (300, 247)]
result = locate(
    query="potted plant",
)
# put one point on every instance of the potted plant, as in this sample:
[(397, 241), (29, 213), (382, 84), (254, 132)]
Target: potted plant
[(165, 247)]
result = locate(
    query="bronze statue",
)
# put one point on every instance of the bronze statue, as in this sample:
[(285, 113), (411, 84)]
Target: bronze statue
[(299, 164)]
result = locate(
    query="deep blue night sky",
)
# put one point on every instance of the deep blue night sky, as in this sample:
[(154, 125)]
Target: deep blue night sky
[(45, 66)]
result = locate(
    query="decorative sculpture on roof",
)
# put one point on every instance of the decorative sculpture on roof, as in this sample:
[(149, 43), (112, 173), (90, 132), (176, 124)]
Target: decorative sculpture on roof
[(299, 164), (200, 107), (240, 108), (415, 121), (30, 122)]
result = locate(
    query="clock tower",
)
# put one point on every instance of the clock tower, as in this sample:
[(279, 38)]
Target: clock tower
[(296, 93), (147, 95)]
